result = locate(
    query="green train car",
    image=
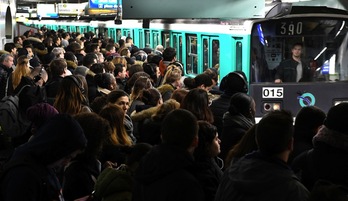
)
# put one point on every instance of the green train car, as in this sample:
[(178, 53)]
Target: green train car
[(254, 46)]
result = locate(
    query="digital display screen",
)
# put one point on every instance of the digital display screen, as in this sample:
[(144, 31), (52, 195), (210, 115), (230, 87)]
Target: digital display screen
[(105, 4)]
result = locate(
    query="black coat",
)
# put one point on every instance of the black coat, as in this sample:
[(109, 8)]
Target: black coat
[(257, 177), (167, 173), (219, 107), (234, 128)]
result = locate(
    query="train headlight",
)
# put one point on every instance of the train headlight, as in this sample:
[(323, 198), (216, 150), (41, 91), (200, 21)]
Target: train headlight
[(336, 102), (271, 106)]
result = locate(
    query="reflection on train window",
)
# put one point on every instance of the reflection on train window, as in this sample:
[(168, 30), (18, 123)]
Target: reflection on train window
[(118, 34), (177, 44), (191, 54), (142, 39)]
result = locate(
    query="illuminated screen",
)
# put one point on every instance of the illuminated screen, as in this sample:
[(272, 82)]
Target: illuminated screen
[(105, 4)]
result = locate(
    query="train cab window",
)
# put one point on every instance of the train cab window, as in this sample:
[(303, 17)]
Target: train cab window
[(191, 54), (323, 42)]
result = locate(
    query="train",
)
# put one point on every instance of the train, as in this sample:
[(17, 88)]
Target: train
[(237, 44)]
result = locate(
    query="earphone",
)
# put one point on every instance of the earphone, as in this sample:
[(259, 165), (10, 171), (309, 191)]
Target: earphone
[(78, 84)]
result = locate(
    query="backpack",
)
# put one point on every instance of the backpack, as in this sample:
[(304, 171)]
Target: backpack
[(13, 120)]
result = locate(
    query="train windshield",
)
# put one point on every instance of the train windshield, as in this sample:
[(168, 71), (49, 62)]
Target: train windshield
[(299, 50)]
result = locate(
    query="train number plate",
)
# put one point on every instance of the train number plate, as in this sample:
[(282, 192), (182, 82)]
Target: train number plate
[(272, 92)]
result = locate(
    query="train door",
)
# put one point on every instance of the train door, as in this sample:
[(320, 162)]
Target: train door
[(177, 44), (127, 33), (233, 55), (83, 29), (209, 52)]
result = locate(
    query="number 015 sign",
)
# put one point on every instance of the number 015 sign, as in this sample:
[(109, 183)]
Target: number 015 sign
[(272, 92)]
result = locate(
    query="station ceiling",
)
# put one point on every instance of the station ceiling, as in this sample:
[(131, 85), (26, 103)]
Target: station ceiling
[(340, 4)]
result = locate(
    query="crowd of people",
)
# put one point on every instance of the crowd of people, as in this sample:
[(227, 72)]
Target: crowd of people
[(121, 123)]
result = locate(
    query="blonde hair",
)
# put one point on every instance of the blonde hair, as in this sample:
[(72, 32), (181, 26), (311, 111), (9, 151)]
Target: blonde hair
[(173, 74), (22, 69)]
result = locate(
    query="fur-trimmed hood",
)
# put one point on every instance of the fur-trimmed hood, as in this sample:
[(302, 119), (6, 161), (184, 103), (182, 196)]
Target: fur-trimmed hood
[(333, 138), (142, 115)]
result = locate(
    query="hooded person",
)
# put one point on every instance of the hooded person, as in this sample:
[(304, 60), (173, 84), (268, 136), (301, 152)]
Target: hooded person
[(328, 160), (232, 83), (30, 173)]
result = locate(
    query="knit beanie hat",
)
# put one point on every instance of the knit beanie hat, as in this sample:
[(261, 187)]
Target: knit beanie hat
[(39, 113), (337, 118)]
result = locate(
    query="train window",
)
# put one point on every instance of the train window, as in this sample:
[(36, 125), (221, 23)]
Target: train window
[(141, 37), (177, 44), (147, 38), (156, 38), (166, 40), (191, 54), (216, 53), (118, 34), (239, 56), (205, 53), (323, 53)]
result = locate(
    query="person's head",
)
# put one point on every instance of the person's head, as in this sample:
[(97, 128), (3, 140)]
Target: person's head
[(119, 60), (197, 102), (173, 77), (180, 129), (96, 129), (58, 52), (213, 74), (164, 109), (140, 84), (169, 54), (234, 82), (70, 56), (105, 80), (89, 59), (152, 70), (109, 67), (120, 71), (296, 50), (97, 68), (11, 48), (71, 95), (135, 153), (57, 67), (274, 133), (39, 114), (151, 97), (7, 60), (58, 141), (202, 81), (179, 95), (110, 48), (18, 40), (115, 116), (209, 142), (243, 104), (307, 122), (119, 98), (337, 118)]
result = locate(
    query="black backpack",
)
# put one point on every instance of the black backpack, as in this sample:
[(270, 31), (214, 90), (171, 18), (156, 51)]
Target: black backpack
[(13, 108)]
